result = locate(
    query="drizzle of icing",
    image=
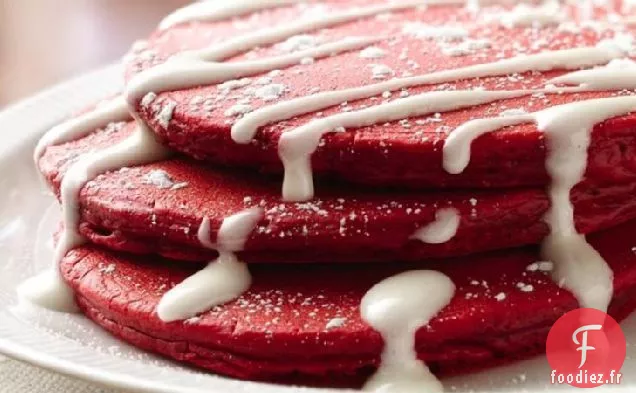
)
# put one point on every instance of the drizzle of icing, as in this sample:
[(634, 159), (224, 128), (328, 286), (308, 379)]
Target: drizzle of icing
[(108, 112), (48, 289), (397, 307), (213, 11), (457, 144), (616, 75), (199, 67), (183, 71), (443, 229), (297, 145), (267, 36), (578, 267), (245, 129), (223, 280), (236, 229)]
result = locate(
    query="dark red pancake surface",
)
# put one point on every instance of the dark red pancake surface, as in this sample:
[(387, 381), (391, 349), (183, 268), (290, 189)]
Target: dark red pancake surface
[(278, 329), (398, 153), (122, 211)]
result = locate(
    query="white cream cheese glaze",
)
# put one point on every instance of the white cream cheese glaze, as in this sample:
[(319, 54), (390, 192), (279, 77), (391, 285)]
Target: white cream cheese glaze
[(396, 308), (297, 145), (48, 290), (568, 128), (245, 129), (223, 280), (107, 112), (200, 67), (184, 71), (443, 229), (215, 11)]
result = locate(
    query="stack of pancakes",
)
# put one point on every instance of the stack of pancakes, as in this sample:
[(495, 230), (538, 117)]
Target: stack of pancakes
[(383, 194)]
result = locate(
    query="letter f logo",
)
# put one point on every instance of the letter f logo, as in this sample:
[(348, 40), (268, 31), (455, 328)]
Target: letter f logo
[(584, 348)]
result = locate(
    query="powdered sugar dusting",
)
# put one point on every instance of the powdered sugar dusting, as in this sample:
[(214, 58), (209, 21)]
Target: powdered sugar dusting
[(300, 42), (372, 52), (238, 110), (159, 178), (270, 92), (440, 33), (381, 71), (164, 116)]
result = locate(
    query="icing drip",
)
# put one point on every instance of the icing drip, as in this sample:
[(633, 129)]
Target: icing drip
[(245, 129), (213, 11), (268, 36), (457, 144), (223, 280), (108, 112), (578, 267), (48, 289), (616, 75), (184, 71), (443, 229), (297, 145), (199, 67), (397, 307)]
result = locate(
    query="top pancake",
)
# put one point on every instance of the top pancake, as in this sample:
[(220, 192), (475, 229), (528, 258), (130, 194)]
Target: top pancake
[(406, 153)]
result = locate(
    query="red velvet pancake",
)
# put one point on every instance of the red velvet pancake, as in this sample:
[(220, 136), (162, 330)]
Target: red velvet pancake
[(303, 322), (126, 211), (398, 153)]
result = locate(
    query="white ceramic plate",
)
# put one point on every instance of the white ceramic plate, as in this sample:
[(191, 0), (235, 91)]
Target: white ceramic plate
[(71, 344)]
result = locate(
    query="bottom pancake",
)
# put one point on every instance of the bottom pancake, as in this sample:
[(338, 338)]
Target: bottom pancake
[(302, 323)]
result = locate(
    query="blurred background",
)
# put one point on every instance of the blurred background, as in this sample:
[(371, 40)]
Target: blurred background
[(46, 41)]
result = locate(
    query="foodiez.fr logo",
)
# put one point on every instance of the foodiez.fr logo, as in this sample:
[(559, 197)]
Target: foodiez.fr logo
[(586, 348)]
